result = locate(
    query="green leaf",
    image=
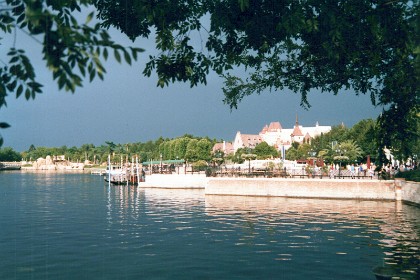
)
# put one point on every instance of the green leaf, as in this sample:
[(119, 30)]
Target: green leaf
[(105, 53), (4, 125), (19, 91), (11, 86), (243, 4), (101, 76), (92, 75), (161, 83), (82, 69), (89, 17), (117, 56), (14, 59), (127, 57), (73, 21), (27, 94), (61, 81)]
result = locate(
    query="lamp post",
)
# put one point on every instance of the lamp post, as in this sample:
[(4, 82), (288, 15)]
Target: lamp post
[(340, 157), (219, 159), (312, 158), (161, 163), (338, 151)]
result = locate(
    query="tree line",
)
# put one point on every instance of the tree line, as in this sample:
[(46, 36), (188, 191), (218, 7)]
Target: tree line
[(187, 147), (354, 144)]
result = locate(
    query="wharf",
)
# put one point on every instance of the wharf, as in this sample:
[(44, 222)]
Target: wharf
[(362, 189), (98, 171), (10, 166)]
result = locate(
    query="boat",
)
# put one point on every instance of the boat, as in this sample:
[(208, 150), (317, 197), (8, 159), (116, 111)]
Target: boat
[(9, 166)]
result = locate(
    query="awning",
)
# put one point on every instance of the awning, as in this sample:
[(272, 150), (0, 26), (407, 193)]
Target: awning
[(169, 161)]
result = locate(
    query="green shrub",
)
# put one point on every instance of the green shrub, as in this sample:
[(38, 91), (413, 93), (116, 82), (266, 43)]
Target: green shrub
[(199, 165), (412, 175)]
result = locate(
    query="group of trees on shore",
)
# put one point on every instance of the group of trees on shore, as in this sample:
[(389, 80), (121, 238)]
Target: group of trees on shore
[(187, 147), (353, 144)]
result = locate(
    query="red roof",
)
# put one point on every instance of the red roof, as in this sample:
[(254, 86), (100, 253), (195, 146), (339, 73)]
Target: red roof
[(297, 131), (226, 147), (264, 130), (274, 126), (251, 140)]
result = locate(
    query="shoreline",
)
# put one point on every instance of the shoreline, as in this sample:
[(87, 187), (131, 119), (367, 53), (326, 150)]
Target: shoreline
[(359, 189), (61, 170)]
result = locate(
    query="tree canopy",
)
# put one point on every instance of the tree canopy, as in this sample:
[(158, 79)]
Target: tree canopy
[(369, 46), (187, 147), (264, 151), (8, 154), (72, 51), (355, 143)]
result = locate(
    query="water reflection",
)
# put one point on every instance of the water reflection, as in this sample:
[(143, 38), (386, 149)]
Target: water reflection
[(323, 235), (311, 223), (123, 201), (67, 226)]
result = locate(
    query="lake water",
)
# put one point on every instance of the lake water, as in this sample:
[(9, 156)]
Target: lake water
[(74, 226)]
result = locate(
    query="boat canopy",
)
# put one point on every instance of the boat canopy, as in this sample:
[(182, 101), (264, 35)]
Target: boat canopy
[(169, 161)]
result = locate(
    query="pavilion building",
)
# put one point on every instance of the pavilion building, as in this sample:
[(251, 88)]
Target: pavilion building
[(281, 138)]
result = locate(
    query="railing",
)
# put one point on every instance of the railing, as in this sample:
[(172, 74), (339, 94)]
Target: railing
[(293, 173), (10, 165), (98, 171)]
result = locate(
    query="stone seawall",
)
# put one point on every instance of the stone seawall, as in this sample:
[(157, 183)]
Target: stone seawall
[(175, 181), (410, 191), (315, 188), (308, 188)]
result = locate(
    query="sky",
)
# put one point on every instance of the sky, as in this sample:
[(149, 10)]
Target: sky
[(127, 107)]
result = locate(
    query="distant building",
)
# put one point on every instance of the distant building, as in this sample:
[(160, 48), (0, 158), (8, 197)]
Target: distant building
[(275, 135), (246, 141), (59, 158), (225, 147)]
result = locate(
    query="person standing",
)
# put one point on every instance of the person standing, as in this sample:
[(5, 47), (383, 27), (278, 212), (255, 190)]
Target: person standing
[(352, 171), (332, 171)]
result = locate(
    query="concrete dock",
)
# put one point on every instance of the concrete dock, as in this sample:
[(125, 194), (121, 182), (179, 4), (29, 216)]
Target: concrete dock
[(362, 189)]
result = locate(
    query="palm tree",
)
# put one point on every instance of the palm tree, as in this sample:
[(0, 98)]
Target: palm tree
[(351, 150), (248, 157)]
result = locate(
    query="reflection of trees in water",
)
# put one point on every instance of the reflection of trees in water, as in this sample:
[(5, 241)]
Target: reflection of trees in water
[(394, 227), (401, 243), (404, 259), (248, 227)]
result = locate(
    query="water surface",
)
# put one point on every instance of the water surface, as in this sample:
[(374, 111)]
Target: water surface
[(74, 226)]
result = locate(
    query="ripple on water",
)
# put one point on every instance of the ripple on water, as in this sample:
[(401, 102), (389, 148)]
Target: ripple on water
[(76, 227)]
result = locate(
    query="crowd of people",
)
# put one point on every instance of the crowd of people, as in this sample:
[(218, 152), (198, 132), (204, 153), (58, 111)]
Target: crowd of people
[(356, 170)]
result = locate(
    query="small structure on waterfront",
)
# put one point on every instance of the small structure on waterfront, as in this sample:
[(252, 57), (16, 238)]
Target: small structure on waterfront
[(52, 163), (128, 173), (10, 166)]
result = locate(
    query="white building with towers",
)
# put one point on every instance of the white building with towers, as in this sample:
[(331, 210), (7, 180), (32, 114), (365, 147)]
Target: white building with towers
[(275, 135)]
